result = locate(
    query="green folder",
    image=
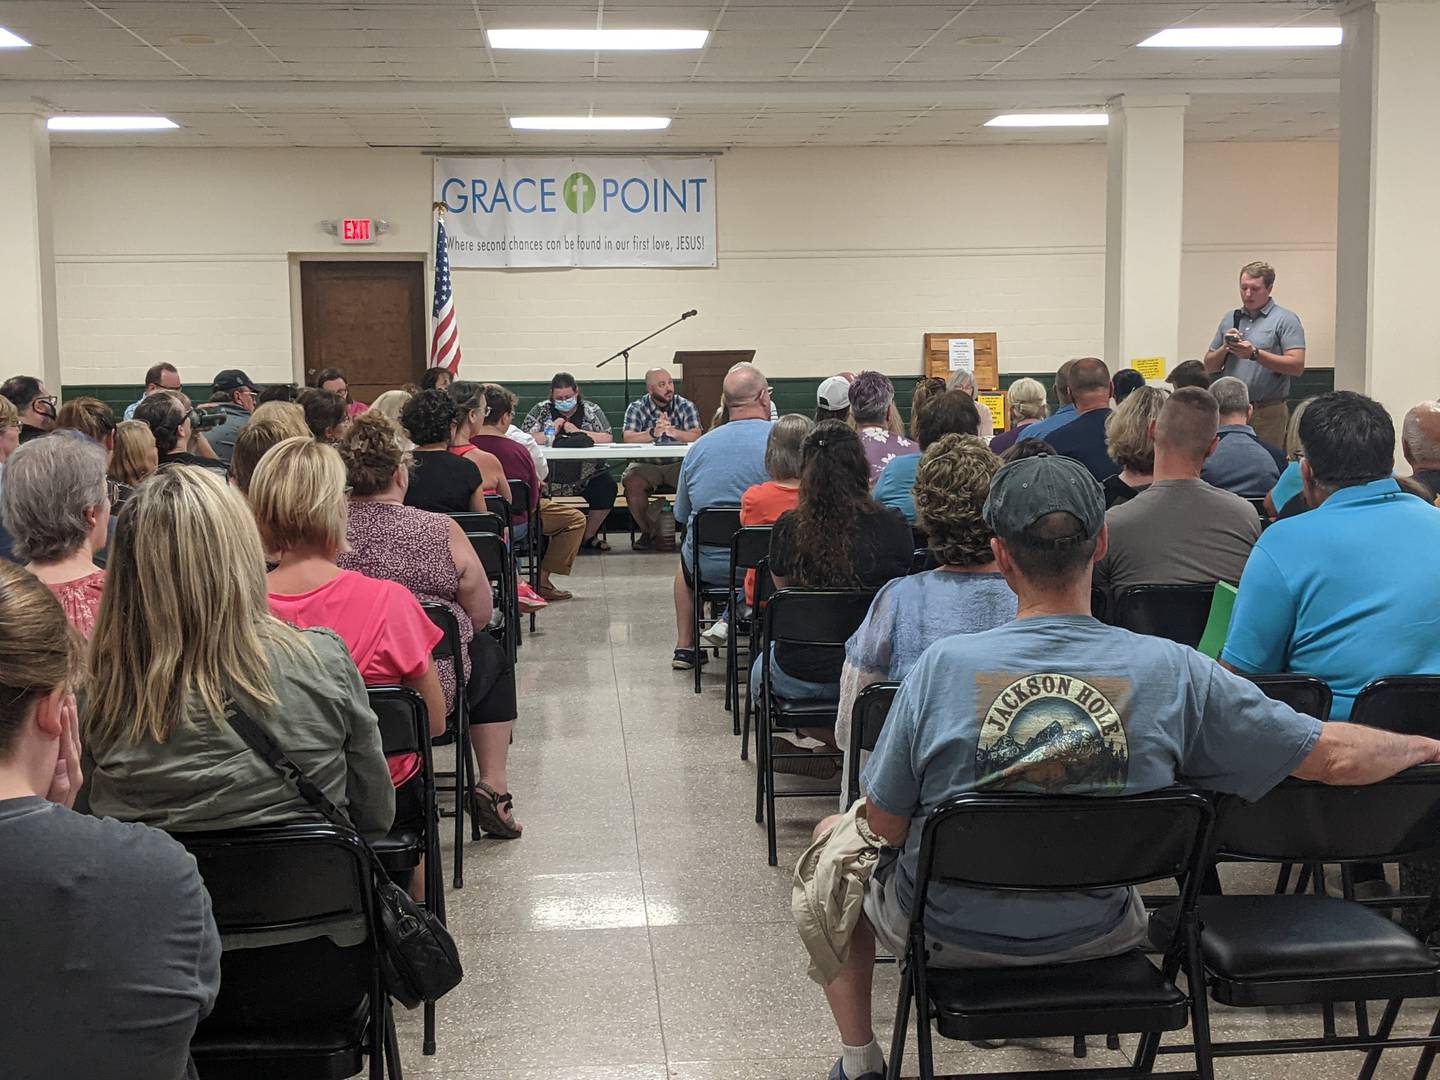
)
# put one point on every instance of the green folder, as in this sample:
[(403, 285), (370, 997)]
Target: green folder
[(1217, 626)]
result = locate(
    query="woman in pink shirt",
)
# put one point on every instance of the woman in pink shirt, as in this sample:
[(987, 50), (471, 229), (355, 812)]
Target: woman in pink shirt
[(55, 504), (334, 380), (298, 496)]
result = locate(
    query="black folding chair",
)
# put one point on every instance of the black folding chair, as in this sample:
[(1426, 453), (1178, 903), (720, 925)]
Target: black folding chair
[(527, 551), (1299, 949), (405, 729), (712, 527), (866, 720), (500, 569), (764, 589), (457, 730), (1177, 612), (1405, 704), (1261, 512), (301, 991), (919, 560), (818, 618), (749, 546), (1042, 844), (472, 522), (1099, 608)]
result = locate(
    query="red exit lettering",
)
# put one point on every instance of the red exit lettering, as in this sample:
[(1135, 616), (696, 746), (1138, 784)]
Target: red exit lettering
[(355, 230)]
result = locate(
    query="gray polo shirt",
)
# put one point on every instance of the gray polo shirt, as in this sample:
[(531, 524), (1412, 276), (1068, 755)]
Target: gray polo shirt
[(1273, 329)]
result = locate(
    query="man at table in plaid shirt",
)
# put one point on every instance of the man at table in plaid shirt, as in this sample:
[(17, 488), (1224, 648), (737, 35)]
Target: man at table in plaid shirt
[(661, 416)]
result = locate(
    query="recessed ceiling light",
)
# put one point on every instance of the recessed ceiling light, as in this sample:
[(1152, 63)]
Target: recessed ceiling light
[(1050, 120), (1244, 37), (110, 123), (590, 123), (596, 40), (10, 40)]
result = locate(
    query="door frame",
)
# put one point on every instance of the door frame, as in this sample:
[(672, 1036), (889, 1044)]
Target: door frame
[(297, 315)]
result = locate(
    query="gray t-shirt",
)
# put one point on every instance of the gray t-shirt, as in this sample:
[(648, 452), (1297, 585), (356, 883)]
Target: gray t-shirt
[(1066, 705), (1241, 463), (1177, 532), (108, 947), (1272, 329)]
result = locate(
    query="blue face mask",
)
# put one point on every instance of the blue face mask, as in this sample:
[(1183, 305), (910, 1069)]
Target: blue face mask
[(566, 404)]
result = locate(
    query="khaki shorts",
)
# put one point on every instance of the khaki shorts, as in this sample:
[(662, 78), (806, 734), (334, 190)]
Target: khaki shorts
[(891, 923), (657, 475)]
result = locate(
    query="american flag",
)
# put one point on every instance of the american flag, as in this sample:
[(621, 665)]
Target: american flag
[(445, 341)]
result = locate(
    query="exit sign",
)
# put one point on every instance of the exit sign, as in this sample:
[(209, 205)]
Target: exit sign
[(357, 231)]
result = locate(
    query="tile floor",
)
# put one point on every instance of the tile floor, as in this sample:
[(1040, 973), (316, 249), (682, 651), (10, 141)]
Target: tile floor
[(636, 932)]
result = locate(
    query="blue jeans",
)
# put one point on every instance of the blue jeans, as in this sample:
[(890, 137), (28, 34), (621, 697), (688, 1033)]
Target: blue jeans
[(789, 688)]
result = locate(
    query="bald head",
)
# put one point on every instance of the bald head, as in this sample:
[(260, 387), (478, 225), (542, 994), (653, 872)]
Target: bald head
[(745, 391), (1420, 436), (1185, 432), (660, 386), (1089, 384)]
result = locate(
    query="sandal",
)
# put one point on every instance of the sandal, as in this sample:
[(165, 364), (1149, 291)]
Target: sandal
[(596, 543), (487, 810)]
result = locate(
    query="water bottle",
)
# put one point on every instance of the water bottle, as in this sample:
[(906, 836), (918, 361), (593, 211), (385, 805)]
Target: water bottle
[(550, 433)]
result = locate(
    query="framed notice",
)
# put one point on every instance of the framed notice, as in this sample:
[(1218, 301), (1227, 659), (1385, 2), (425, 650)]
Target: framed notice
[(977, 352)]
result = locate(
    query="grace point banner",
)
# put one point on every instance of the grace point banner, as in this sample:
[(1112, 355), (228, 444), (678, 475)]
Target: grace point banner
[(580, 211)]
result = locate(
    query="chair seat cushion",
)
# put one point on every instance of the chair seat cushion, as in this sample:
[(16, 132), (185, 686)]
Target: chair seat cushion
[(791, 713), (401, 849), (1280, 938), (1124, 993)]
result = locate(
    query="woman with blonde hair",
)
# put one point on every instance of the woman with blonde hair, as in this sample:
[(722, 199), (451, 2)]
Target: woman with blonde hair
[(1289, 486), (185, 632), (964, 595), (271, 424), (429, 555), (134, 457), (1027, 406), (89, 416), (1130, 442), (56, 505)]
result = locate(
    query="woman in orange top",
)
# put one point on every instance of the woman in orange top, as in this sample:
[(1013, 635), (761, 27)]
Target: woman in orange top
[(762, 504)]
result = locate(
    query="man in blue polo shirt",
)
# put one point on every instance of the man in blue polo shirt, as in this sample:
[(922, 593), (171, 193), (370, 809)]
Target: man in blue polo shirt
[(1064, 407), (1314, 597)]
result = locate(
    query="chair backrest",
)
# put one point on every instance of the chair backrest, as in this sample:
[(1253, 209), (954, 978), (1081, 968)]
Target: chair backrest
[(1052, 843), (1299, 821), (448, 648), (496, 504), (1408, 704), (519, 495), (1098, 605), (816, 616), (1259, 507), (491, 551), (1303, 693), (471, 523), (867, 717), (749, 545), (715, 525), (404, 726), (1177, 612)]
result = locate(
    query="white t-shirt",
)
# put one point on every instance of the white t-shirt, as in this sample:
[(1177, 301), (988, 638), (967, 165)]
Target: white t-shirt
[(542, 470)]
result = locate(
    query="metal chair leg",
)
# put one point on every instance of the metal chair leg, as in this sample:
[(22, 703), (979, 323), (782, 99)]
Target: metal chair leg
[(1387, 1021)]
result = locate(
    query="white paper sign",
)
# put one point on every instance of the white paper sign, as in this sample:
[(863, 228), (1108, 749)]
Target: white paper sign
[(962, 354), (582, 211)]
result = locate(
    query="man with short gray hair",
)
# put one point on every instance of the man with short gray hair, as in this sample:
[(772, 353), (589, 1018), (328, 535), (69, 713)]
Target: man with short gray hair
[(1420, 442), (1263, 344), (1241, 462)]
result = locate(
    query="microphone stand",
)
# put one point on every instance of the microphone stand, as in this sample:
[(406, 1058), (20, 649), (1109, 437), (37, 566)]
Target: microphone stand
[(625, 352)]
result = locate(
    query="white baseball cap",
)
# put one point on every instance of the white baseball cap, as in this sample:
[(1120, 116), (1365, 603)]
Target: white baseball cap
[(834, 393)]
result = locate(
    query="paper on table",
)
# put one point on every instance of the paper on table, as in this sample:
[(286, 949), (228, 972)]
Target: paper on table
[(1217, 627), (962, 354)]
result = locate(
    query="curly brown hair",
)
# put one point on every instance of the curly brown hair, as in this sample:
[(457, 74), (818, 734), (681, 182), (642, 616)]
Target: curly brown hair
[(951, 483), (371, 450), (833, 507)]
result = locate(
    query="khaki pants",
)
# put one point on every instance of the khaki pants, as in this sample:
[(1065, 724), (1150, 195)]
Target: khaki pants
[(656, 476), (1270, 420), (565, 526)]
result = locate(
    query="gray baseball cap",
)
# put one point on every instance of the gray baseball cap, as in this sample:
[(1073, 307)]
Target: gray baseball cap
[(1024, 491), (834, 393)]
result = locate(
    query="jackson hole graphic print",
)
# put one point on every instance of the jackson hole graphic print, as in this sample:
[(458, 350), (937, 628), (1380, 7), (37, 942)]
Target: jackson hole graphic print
[(1051, 733)]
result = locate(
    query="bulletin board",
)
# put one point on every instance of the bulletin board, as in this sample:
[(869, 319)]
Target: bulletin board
[(941, 358)]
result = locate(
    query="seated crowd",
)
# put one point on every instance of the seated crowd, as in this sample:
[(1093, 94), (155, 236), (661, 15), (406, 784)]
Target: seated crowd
[(275, 552)]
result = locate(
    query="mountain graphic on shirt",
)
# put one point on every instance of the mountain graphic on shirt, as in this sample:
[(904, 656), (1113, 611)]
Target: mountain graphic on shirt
[(1052, 734)]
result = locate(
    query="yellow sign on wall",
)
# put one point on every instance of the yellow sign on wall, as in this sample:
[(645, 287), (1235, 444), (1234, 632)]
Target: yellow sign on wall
[(996, 404), (1152, 367)]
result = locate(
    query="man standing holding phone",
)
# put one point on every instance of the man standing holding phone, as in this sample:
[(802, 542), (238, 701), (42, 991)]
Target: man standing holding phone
[(1263, 345)]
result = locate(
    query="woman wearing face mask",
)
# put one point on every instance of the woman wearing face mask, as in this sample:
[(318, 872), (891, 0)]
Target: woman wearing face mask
[(563, 413)]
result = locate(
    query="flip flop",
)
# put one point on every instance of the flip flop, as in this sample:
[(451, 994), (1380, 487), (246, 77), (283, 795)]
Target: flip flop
[(595, 543)]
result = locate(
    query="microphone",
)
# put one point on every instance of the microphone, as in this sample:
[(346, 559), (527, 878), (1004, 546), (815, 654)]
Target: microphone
[(687, 314)]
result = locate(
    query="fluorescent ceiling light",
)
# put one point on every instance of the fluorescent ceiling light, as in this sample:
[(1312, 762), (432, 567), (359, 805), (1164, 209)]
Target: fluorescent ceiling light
[(1037, 120), (110, 123), (10, 40), (590, 123), (595, 40), (1244, 37)]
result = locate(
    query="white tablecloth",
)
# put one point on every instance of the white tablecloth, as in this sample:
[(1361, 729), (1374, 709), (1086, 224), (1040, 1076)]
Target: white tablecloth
[(617, 452)]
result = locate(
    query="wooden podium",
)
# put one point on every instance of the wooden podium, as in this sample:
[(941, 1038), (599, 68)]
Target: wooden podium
[(703, 373)]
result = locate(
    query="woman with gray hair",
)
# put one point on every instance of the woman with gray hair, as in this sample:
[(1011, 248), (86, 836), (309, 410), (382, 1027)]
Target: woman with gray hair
[(1027, 406), (56, 505), (873, 413), (965, 380), (762, 504)]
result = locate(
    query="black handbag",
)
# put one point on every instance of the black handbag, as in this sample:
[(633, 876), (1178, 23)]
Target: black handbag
[(569, 472), (418, 956)]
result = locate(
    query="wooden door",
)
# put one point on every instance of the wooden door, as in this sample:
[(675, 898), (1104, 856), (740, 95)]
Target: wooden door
[(702, 374), (367, 319)]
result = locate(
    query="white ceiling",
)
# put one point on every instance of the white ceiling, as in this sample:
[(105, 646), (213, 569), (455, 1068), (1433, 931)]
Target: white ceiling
[(418, 73)]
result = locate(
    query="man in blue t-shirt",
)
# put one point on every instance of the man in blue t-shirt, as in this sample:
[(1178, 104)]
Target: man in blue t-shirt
[(1056, 702), (718, 468), (1314, 598)]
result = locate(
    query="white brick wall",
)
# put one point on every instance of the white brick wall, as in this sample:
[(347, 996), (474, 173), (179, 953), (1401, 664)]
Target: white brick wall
[(829, 259)]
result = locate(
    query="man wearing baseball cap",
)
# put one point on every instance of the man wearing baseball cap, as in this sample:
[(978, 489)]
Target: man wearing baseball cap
[(832, 399), (233, 395), (1059, 703)]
